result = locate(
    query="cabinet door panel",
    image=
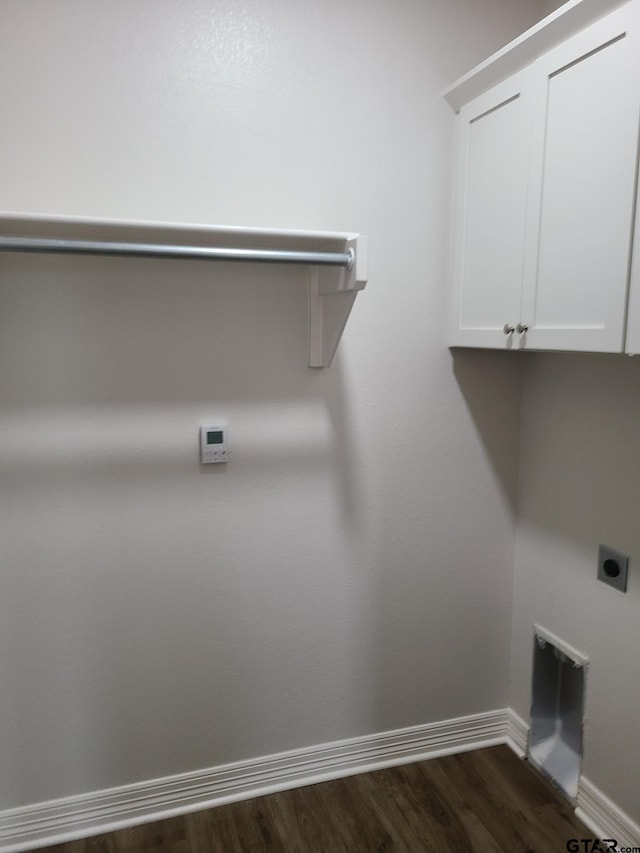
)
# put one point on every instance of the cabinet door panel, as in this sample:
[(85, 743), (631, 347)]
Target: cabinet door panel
[(489, 231), (633, 319), (576, 285)]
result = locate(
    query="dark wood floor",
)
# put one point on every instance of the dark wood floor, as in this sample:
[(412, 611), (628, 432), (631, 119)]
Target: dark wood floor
[(487, 801)]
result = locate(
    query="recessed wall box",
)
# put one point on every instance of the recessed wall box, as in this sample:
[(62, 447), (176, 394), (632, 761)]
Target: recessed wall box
[(557, 710)]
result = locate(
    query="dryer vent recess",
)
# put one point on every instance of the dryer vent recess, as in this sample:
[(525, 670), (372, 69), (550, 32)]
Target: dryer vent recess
[(557, 710)]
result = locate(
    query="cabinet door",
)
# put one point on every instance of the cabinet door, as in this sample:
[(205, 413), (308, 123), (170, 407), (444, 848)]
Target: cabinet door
[(584, 154), (633, 318), (490, 207)]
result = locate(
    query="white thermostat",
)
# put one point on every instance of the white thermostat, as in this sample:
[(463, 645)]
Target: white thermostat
[(213, 443)]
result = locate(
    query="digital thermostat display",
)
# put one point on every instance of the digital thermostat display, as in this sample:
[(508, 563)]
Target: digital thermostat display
[(213, 443)]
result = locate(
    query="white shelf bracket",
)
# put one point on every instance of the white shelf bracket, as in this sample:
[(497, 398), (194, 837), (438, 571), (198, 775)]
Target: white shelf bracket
[(332, 293)]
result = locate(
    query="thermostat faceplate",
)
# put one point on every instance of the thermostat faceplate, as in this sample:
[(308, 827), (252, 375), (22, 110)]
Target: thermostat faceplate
[(213, 443)]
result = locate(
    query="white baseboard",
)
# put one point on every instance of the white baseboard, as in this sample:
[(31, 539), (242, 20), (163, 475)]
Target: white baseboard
[(600, 814), (604, 818), (81, 816), (57, 821), (517, 733)]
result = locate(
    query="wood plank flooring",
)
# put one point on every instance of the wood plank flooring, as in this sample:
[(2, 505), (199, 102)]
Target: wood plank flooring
[(487, 801)]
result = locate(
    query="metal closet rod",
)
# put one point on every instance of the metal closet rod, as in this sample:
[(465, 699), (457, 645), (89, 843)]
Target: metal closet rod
[(157, 250)]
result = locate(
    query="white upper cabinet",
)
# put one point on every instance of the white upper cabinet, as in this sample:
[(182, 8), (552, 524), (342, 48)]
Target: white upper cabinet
[(545, 195), (490, 209), (633, 323), (582, 189)]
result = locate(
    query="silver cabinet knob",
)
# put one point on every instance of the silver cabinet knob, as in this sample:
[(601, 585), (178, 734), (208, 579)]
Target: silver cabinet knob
[(508, 328), (521, 328)]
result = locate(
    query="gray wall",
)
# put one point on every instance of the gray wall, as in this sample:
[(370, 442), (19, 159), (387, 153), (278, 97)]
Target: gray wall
[(579, 485), (351, 571), (549, 6)]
